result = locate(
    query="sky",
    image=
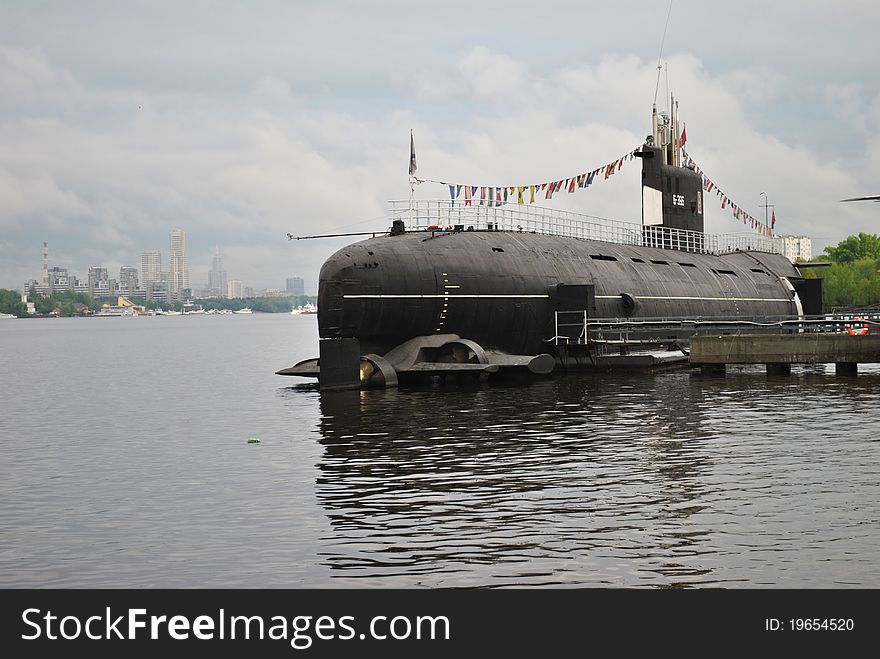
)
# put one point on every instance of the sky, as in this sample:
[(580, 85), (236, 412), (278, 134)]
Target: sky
[(242, 121)]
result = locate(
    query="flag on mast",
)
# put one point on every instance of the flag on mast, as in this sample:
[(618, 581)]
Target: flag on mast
[(684, 137), (773, 219), (412, 154)]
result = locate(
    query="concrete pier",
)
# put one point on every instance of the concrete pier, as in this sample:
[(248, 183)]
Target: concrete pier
[(779, 351)]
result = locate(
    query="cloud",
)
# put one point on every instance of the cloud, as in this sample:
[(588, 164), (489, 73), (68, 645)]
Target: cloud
[(491, 74), (242, 165), (273, 87), (26, 73), (755, 84), (27, 194), (846, 100)]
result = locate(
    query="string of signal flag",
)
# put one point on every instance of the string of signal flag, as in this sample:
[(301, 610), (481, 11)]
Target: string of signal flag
[(736, 211), (499, 195)]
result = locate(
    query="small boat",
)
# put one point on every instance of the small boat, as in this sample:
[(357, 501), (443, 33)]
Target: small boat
[(7, 315), (243, 310), (115, 311), (308, 307)]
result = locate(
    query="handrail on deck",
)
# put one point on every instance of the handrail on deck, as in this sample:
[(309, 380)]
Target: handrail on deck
[(624, 329), (444, 214)]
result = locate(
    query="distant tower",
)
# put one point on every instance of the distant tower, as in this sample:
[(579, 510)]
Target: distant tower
[(217, 283), (151, 269), (179, 266), (151, 266), (45, 263), (296, 286), (234, 289)]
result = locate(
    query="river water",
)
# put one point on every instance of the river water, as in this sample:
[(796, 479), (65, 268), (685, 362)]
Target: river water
[(125, 462)]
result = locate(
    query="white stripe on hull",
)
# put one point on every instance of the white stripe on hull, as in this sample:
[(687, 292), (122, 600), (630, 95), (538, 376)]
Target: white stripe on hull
[(423, 296), (420, 296)]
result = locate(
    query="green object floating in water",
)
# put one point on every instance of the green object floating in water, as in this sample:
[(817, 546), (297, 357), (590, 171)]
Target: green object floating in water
[(254, 440)]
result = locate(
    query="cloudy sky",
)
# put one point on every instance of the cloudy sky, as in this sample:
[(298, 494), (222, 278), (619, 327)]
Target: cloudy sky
[(242, 121)]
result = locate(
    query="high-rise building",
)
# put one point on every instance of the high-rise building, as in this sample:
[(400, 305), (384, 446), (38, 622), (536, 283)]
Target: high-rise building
[(99, 281), (295, 286), (151, 266), (179, 266), (128, 279), (157, 290), (59, 279), (234, 289), (45, 264), (217, 283)]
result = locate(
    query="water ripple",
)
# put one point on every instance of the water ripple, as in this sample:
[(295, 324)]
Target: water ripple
[(141, 475)]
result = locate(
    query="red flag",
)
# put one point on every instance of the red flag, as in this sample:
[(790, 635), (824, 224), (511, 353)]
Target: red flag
[(684, 137), (773, 219)]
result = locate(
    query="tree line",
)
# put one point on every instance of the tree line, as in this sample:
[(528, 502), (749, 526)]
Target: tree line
[(68, 303), (63, 303)]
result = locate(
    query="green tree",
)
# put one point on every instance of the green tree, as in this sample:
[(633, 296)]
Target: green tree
[(10, 302), (851, 284), (64, 302), (853, 279), (855, 248)]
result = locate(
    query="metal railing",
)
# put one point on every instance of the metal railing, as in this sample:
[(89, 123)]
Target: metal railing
[(567, 321), (443, 214), (660, 329)]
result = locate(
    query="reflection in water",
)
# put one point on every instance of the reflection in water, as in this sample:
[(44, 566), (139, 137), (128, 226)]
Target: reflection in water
[(528, 481), (662, 480)]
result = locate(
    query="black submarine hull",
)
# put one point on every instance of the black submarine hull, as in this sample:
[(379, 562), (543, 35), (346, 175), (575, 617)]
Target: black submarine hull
[(449, 300), (502, 288)]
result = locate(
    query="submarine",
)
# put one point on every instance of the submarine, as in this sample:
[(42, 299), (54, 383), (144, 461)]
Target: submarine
[(453, 290)]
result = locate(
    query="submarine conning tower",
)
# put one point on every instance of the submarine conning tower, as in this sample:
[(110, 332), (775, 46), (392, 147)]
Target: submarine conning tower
[(672, 195)]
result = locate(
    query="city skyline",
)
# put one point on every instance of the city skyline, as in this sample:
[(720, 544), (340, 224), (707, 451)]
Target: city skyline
[(151, 281)]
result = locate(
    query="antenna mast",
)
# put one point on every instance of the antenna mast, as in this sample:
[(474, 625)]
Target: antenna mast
[(660, 56)]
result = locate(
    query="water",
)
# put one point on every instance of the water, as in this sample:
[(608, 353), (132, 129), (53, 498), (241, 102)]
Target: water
[(125, 462)]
